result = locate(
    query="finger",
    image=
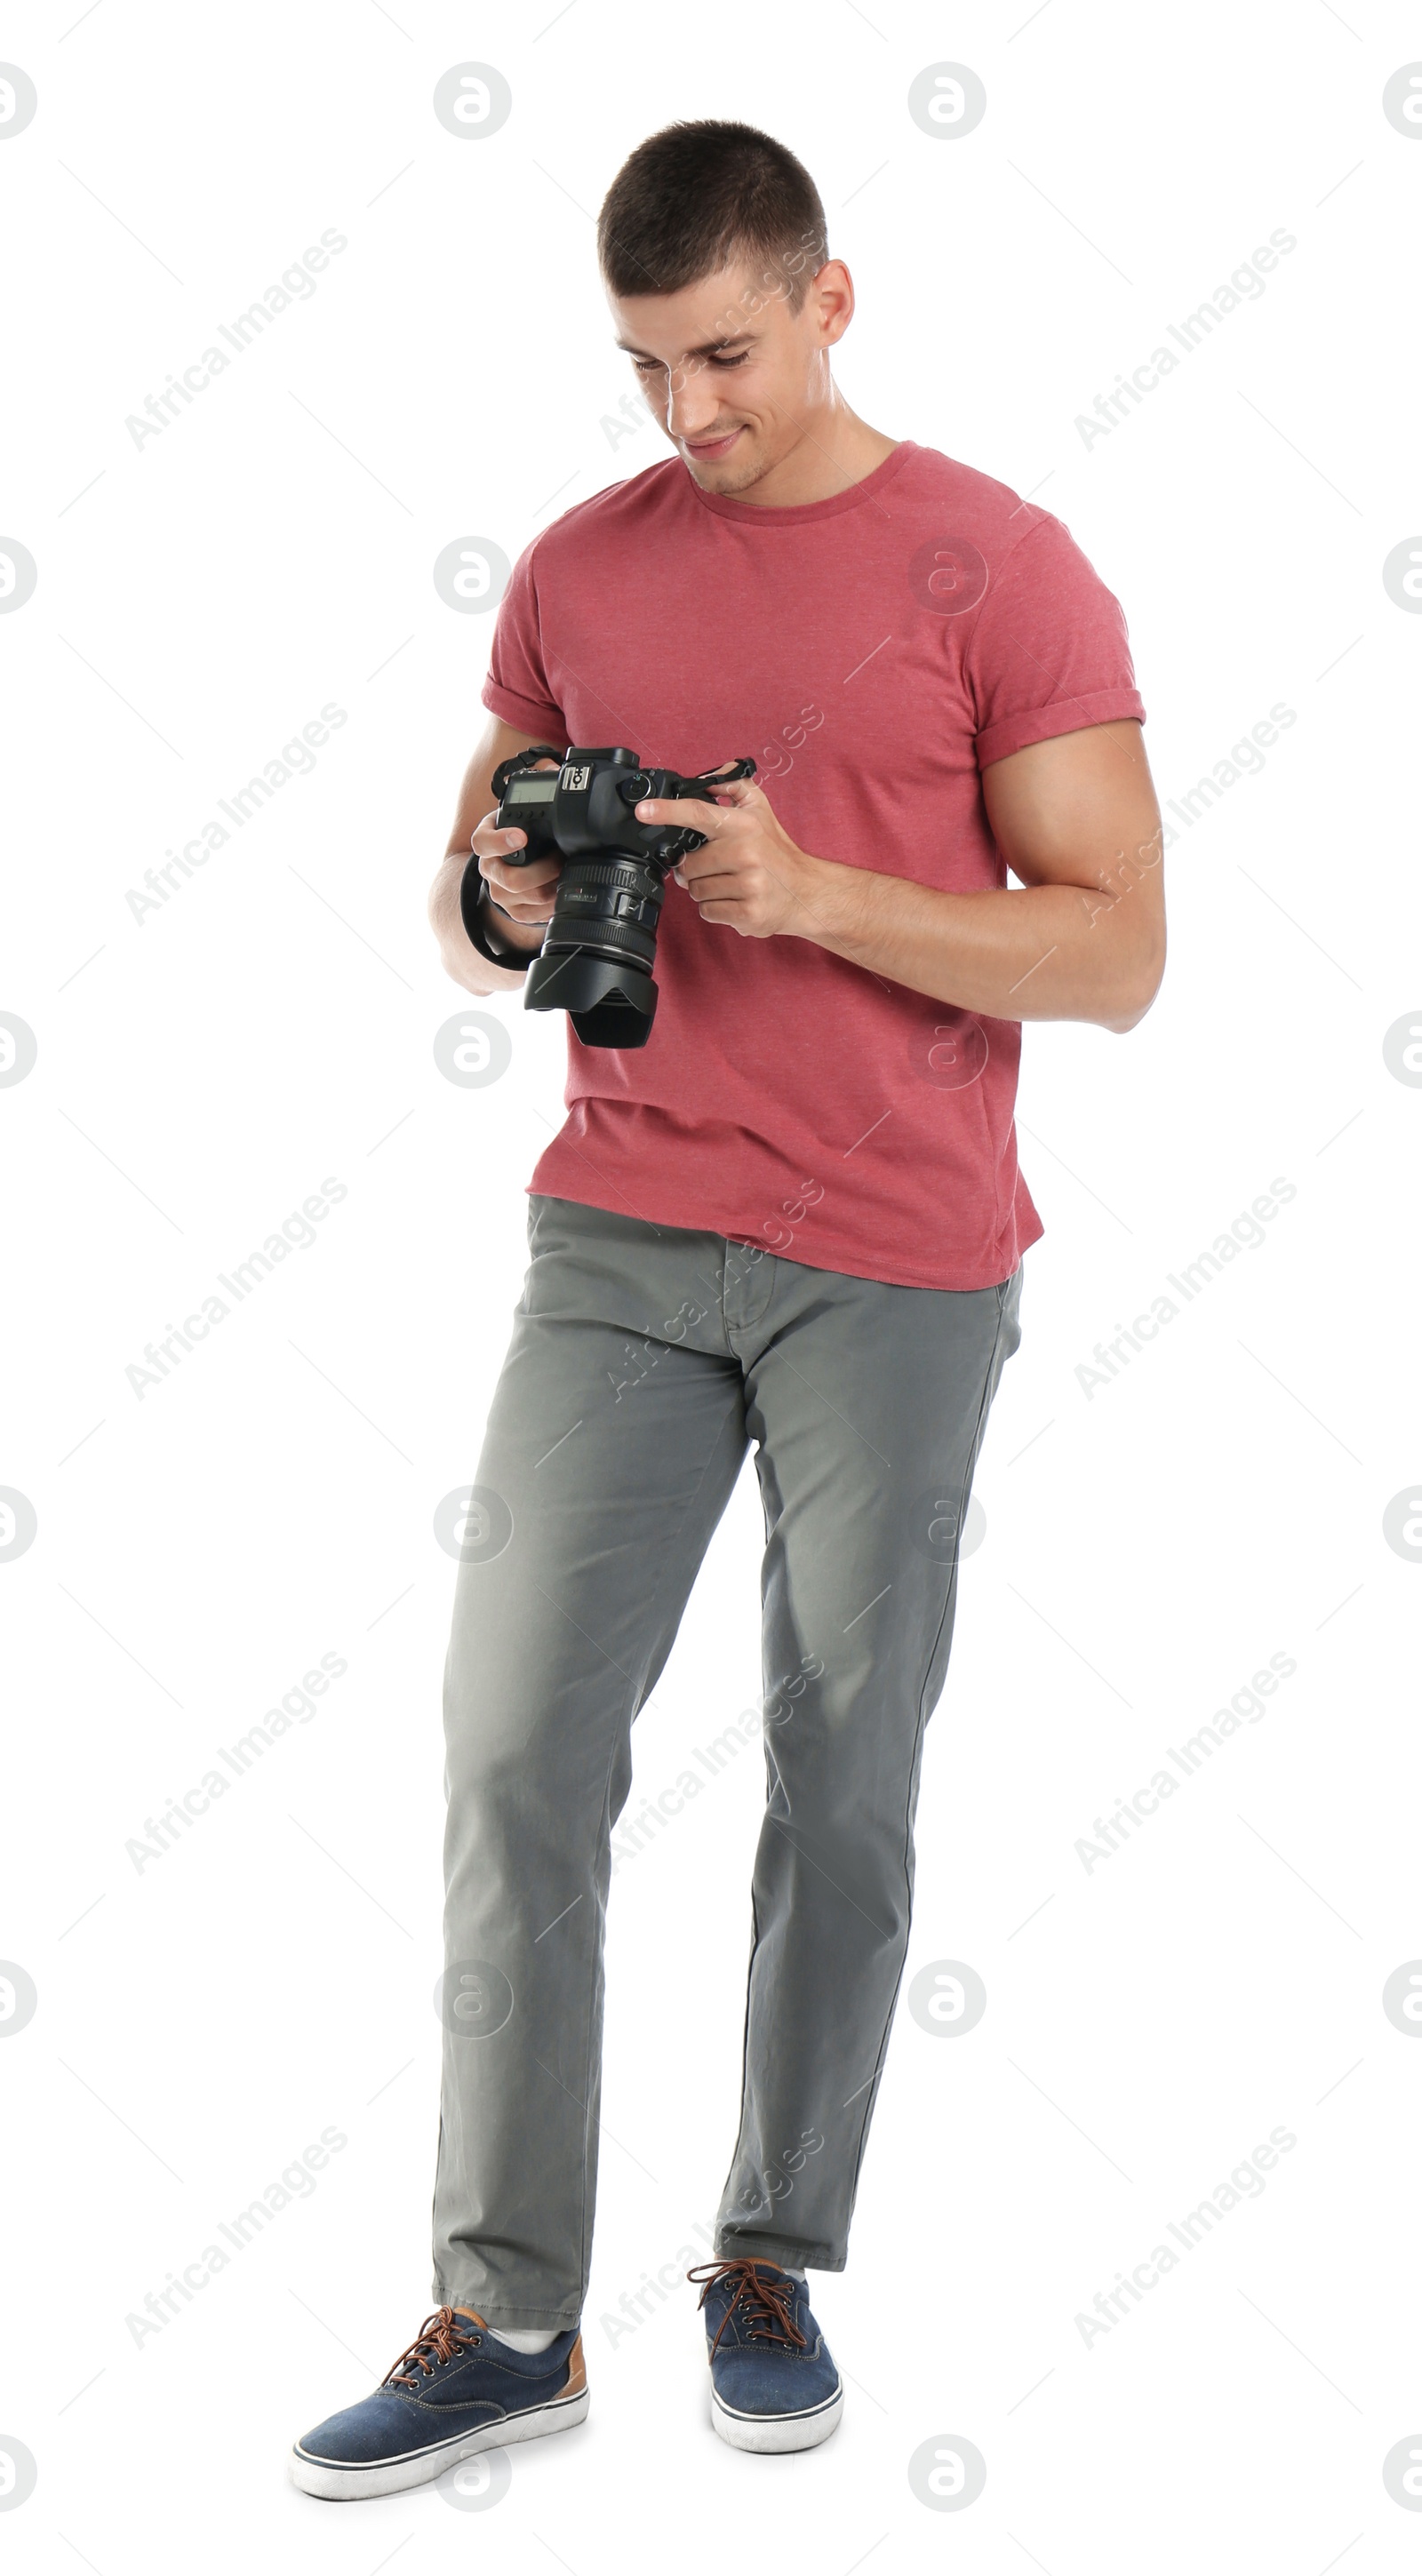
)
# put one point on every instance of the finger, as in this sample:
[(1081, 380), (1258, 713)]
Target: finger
[(529, 916), (718, 880), (516, 888), (721, 854), (685, 810), (729, 793), (520, 884), (511, 885)]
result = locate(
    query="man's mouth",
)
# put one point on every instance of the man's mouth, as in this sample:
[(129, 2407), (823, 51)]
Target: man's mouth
[(709, 447)]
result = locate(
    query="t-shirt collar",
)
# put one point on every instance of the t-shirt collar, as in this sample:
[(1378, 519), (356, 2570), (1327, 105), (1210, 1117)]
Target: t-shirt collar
[(802, 514)]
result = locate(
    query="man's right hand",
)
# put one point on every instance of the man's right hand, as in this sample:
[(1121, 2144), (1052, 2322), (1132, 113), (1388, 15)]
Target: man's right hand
[(525, 895)]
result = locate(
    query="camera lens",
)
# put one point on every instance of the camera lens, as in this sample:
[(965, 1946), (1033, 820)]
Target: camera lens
[(607, 908)]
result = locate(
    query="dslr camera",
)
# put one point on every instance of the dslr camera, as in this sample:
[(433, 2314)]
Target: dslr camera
[(599, 947)]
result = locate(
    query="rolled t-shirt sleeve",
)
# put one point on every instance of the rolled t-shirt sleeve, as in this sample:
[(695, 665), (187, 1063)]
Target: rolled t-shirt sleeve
[(518, 688), (1049, 652)]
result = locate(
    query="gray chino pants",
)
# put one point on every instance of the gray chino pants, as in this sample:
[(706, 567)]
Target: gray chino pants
[(643, 1360)]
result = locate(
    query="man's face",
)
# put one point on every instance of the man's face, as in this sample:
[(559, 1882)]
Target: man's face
[(729, 371)]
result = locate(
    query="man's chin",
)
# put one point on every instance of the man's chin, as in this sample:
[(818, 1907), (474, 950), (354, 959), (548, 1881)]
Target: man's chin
[(727, 475)]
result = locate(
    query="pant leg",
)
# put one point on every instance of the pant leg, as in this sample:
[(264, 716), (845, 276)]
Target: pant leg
[(870, 1403), (614, 1440)]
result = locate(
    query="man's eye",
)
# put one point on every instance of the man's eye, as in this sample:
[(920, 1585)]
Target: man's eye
[(654, 367)]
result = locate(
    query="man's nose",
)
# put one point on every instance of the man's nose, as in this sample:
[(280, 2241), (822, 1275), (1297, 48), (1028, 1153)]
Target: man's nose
[(692, 403)]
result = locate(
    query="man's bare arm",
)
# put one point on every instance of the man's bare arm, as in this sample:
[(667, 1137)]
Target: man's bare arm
[(525, 894), (1077, 821)]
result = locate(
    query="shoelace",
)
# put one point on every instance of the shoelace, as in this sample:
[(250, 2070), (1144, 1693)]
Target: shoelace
[(441, 2338), (766, 2304)]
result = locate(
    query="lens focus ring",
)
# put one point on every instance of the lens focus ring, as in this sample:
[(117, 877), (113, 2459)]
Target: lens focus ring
[(632, 874)]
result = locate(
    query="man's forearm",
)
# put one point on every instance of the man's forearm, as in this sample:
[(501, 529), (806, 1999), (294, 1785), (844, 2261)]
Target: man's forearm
[(1074, 818), (1053, 952), (462, 961)]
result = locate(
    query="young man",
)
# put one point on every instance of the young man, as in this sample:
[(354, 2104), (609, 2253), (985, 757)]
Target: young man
[(794, 1216)]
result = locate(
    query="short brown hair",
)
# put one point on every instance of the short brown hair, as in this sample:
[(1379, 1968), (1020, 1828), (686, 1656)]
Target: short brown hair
[(694, 197)]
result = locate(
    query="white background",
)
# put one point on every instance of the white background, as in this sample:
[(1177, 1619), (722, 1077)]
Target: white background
[(1147, 1548)]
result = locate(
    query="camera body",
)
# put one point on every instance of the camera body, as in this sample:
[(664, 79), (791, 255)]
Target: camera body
[(600, 945)]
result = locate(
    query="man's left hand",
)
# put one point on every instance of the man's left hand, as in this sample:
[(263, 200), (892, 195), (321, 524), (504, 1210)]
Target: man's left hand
[(750, 874)]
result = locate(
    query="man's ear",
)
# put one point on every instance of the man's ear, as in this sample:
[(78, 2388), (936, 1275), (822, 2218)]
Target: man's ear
[(832, 289)]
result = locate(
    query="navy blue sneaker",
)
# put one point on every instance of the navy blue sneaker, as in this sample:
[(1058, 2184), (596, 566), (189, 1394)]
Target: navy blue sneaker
[(455, 2390), (774, 2386)]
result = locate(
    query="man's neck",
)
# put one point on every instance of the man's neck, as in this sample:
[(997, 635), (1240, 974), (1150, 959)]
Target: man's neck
[(833, 450)]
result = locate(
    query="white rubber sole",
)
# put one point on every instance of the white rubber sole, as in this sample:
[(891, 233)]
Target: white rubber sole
[(777, 2432), (340, 2483)]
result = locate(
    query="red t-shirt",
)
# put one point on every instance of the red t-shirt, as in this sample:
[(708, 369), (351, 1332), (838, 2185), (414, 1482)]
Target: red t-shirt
[(875, 652)]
